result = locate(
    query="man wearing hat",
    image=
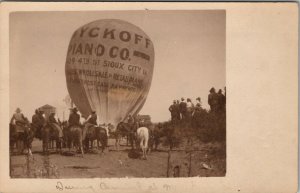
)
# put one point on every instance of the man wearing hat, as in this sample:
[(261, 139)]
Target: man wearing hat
[(74, 118), (172, 110), (38, 123), (221, 101), (213, 100), (42, 117), (91, 120), (198, 102), (130, 121), (198, 107), (177, 107), (35, 118), (106, 127), (190, 108), (19, 120), (54, 124), (183, 108)]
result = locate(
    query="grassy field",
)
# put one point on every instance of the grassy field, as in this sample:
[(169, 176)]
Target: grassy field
[(207, 160)]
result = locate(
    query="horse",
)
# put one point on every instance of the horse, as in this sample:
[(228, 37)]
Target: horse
[(154, 137), (124, 129), (73, 135), (49, 134), (24, 135), (14, 136), (95, 133), (64, 125), (143, 138)]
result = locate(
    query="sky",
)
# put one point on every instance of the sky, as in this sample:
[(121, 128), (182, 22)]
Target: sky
[(189, 51)]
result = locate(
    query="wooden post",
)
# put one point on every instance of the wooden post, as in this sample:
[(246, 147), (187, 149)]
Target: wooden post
[(190, 164), (168, 164)]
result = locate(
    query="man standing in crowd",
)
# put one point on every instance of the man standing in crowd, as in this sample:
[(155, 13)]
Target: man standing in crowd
[(221, 101), (183, 109), (172, 109), (198, 107), (190, 108), (177, 110), (198, 102), (213, 100), (225, 97)]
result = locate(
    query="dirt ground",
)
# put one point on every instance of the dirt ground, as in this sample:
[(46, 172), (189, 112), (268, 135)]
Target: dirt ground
[(207, 160)]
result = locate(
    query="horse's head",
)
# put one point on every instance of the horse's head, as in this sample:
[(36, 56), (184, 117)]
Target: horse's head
[(120, 126), (124, 127)]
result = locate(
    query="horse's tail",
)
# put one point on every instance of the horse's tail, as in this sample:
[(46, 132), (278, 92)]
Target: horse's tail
[(143, 135)]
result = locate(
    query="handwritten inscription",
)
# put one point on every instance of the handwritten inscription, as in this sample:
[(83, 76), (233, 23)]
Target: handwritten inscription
[(103, 186), (61, 187)]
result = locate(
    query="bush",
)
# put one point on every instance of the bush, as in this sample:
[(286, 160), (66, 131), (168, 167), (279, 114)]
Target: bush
[(172, 135), (205, 126)]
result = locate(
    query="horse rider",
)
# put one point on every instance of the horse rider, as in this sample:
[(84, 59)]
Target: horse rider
[(213, 100), (91, 120), (130, 121), (38, 123), (74, 118), (54, 124), (136, 122), (42, 116), (19, 120), (106, 127)]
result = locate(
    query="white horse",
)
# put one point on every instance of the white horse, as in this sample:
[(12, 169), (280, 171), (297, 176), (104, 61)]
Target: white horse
[(143, 137)]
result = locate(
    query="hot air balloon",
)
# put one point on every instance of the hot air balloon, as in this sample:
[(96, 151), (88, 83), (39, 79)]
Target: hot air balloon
[(109, 69)]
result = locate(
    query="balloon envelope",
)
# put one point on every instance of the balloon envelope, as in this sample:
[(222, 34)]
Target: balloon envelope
[(109, 69)]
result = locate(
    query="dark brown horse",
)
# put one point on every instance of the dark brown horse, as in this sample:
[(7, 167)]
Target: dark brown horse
[(22, 137), (73, 136), (95, 133), (124, 129), (50, 134)]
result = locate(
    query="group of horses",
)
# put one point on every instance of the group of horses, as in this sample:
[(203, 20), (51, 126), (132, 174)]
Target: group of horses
[(80, 137)]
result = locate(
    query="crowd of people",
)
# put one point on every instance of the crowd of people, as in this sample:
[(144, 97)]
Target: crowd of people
[(39, 121), (180, 110), (186, 109), (91, 120)]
